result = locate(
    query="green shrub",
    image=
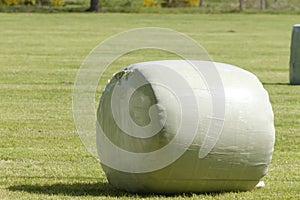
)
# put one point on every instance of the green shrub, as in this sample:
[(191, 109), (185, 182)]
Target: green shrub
[(32, 2), (121, 5), (11, 2), (180, 3)]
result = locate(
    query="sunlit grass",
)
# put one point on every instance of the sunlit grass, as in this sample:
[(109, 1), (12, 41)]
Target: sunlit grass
[(41, 156)]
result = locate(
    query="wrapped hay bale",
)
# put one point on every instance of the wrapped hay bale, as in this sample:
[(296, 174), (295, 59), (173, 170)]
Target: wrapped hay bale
[(158, 131), (294, 57)]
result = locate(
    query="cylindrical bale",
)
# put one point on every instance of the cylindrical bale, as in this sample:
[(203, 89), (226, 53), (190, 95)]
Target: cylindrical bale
[(295, 56), (145, 109)]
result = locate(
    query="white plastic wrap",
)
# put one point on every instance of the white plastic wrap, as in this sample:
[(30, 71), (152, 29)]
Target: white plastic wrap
[(163, 127)]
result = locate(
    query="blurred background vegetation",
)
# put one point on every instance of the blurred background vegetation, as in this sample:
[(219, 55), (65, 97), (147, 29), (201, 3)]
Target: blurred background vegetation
[(152, 6)]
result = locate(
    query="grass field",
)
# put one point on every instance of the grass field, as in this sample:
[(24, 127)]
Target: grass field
[(41, 156)]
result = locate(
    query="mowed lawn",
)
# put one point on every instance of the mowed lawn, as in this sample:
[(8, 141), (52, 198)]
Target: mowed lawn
[(41, 155)]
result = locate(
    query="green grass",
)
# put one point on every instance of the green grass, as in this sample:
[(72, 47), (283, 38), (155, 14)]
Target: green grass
[(41, 156)]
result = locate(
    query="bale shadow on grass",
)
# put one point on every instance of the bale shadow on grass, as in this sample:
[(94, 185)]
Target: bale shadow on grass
[(268, 83), (75, 189), (87, 189)]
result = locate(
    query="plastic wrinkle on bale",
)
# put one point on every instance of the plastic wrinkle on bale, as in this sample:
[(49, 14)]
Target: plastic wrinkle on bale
[(155, 130)]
